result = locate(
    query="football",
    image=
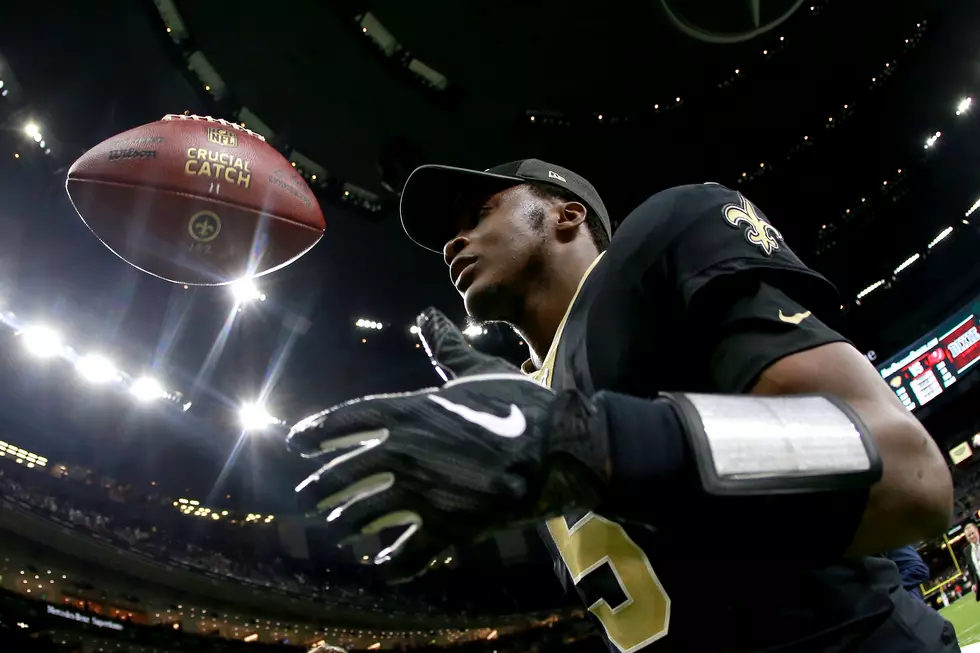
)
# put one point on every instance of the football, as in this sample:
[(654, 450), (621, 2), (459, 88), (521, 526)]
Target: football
[(195, 200)]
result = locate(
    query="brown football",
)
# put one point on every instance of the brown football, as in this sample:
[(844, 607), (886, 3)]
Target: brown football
[(195, 200)]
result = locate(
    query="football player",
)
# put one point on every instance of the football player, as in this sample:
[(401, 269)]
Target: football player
[(680, 374)]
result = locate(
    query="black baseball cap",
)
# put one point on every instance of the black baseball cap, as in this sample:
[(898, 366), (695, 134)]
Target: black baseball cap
[(433, 194)]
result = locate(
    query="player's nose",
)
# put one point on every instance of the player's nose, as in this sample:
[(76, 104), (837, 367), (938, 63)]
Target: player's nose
[(452, 249)]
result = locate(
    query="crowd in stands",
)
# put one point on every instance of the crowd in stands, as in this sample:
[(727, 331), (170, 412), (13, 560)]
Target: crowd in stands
[(25, 627), (104, 513), (966, 487), (151, 526)]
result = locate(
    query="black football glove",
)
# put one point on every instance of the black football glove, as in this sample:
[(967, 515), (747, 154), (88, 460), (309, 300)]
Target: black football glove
[(489, 449)]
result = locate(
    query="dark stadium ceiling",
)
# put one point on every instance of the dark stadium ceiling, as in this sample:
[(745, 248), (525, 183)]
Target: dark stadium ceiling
[(889, 75), (331, 79), (349, 96), (619, 93)]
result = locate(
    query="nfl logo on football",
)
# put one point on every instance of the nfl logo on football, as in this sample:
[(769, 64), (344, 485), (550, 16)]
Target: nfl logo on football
[(222, 137)]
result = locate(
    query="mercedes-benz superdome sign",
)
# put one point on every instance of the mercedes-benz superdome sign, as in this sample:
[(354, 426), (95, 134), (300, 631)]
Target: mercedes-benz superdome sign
[(728, 21)]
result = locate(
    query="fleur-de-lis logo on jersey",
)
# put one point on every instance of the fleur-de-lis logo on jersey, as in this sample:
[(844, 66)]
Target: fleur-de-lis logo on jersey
[(757, 231), (204, 226)]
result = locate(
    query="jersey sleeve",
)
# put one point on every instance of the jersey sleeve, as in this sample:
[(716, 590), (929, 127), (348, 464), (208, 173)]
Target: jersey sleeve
[(713, 234), (758, 323), (731, 279)]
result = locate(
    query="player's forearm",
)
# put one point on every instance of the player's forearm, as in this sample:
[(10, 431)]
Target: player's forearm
[(655, 477), (914, 498)]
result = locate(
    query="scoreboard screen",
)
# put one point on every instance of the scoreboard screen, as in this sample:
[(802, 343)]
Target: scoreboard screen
[(923, 372)]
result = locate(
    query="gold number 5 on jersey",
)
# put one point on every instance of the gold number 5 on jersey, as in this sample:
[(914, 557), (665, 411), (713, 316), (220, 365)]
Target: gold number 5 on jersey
[(592, 541)]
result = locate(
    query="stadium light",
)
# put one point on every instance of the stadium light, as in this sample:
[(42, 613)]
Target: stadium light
[(244, 291), (255, 417), (363, 323), (964, 105), (474, 331), (146, 389), (42, 341), (909, 261), (932, 139), (976, 205), (97, 369), (940, 237), (870, 289), (32, 130), (414, 330)]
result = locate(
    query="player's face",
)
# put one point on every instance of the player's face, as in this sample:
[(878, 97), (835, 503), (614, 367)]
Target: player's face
[(972, 535), (497, 252)]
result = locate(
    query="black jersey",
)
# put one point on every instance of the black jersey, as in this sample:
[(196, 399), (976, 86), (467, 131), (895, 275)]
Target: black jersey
[(698, 292)]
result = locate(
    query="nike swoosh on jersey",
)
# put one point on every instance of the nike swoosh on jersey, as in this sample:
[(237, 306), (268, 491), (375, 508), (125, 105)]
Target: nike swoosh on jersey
[(793, 319), (512, 426)]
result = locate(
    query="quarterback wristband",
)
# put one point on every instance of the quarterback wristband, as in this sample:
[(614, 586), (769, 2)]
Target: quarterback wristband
[(761, 464)]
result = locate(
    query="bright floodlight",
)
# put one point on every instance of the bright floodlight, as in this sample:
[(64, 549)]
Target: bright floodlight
[(413, 329), (31, 129), (255, 417), (146, 389), (42, 341), (474, 331), (363, 323), (940, 237), (972, 209), (245, 291), (97, 369), (964, 105)]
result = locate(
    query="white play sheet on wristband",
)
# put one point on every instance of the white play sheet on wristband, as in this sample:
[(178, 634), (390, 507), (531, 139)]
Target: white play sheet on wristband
[(779, 436)]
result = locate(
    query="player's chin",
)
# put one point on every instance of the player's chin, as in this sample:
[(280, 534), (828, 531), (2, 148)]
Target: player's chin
[(484, 301), (473, 301), (479, 301)]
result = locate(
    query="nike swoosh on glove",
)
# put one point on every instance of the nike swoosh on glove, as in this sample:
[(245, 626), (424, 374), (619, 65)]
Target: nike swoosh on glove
[(489, 449)]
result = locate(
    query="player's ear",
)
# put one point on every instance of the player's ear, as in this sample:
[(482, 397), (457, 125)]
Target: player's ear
[(570, 216)]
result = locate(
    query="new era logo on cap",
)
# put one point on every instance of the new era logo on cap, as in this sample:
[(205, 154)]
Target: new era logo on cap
[(554, 175)]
